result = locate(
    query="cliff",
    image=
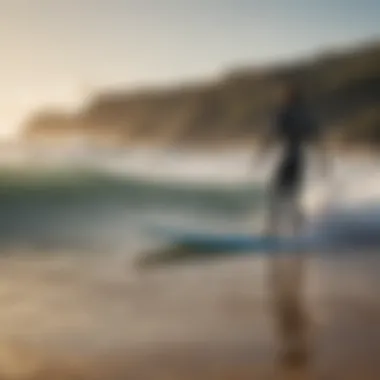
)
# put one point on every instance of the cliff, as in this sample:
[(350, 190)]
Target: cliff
[(344, 88)]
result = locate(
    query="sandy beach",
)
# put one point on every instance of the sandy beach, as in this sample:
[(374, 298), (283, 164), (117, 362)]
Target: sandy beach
[(79, 317)]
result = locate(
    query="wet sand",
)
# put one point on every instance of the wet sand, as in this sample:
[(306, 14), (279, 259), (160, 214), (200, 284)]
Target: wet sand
[(78, 317)]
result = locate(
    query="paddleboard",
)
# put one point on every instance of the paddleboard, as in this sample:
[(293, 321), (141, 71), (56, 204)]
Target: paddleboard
[(183, 245), (233, 242)]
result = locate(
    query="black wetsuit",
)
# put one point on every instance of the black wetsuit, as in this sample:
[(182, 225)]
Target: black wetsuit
[(295, 127)]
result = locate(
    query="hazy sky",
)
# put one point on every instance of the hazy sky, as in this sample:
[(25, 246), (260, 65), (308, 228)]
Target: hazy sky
[(54, 51)]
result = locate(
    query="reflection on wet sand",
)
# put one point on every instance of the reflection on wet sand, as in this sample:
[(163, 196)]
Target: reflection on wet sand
[(291, 322), (78, 317)]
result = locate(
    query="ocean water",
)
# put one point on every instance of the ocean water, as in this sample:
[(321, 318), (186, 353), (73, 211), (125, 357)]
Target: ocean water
[(104, 203), (87, 210), (72, 225)]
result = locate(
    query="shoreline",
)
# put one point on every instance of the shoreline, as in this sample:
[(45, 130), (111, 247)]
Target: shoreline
[(80, 317)]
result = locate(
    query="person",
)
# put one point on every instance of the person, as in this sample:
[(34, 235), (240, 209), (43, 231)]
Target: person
[(295, 128)]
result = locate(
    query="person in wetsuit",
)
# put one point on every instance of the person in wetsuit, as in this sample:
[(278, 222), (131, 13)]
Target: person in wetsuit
[(294, 128)]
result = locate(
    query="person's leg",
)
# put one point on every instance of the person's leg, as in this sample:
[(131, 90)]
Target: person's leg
[(272, 223), (292, 311), (279, 196), (287, 269)]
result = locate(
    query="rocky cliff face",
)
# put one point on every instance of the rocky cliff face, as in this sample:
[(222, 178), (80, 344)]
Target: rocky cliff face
[(343, 87)]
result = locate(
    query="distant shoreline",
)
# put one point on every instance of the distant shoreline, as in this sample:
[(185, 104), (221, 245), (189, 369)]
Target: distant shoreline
[(343, 88)]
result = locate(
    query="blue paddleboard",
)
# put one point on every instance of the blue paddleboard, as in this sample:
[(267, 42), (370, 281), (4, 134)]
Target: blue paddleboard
[(233, 242), (183, 245)]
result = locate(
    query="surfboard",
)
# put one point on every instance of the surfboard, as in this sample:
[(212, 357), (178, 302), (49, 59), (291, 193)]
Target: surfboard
[(235, 242), (330, 235), (183, 245)]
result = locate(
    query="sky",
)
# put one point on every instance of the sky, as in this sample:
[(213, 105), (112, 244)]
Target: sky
[(56, 52)]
